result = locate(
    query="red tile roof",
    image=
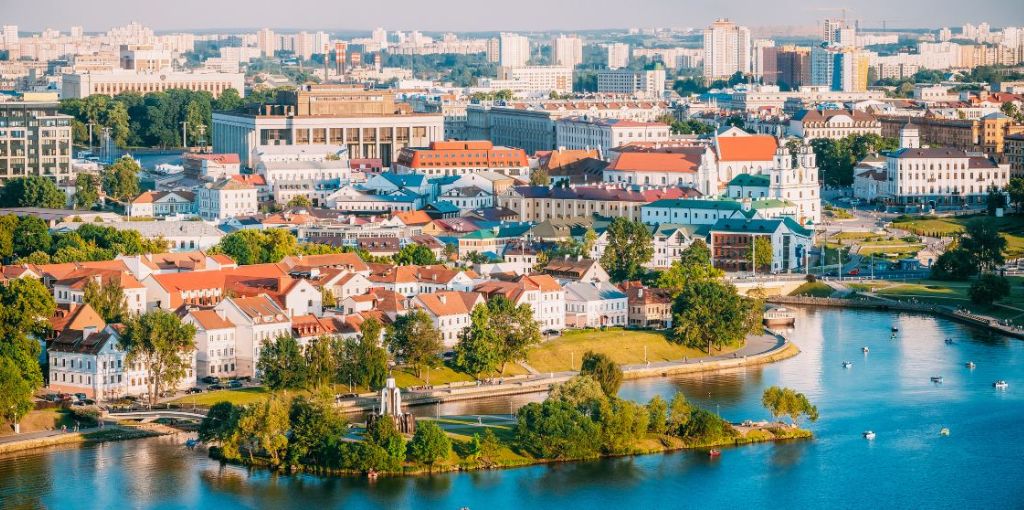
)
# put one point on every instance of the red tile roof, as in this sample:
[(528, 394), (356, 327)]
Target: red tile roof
[(682, 162), (746, 148)]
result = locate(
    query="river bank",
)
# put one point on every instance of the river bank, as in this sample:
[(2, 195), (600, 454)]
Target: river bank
[(93, 435)]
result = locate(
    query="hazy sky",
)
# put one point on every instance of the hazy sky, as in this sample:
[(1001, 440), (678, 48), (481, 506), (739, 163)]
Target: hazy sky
[(486, 15)]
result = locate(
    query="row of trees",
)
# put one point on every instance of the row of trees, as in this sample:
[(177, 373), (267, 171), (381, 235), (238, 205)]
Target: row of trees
[(836, 158), (326, 361), (150, 120), (978, 252), (310, 433), (29, 240)]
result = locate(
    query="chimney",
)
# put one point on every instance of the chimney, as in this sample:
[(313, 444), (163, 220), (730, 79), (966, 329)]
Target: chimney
[(442, 298)]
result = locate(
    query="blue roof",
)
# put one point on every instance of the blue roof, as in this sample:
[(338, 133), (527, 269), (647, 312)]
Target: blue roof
[(404, 180), (443, 206), (444, 180)]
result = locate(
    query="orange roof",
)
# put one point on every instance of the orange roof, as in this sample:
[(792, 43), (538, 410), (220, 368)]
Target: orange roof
[(414, 217), (225, 158), (260, 308), (746, 148), (463, 154), (76, 317), (177, 283), (449, 302), (543, 282), (59, 271), (78, 278), (683, 162), (253, 179), (210, 319), (305, 326)]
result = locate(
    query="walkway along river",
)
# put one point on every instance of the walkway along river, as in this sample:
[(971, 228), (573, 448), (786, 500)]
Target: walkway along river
[(888, 390)]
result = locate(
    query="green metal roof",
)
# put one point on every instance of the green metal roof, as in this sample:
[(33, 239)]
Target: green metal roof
[(750, 180)]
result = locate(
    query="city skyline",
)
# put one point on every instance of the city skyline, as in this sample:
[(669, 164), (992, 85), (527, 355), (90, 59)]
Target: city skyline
[(99, 15)]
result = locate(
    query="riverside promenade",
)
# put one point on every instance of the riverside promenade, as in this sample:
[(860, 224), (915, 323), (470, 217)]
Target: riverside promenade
[(758, 349)]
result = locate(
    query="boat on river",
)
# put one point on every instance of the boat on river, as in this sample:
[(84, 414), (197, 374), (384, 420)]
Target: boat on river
[(847, 364), (714, 453), (949, 341), (869, 434), (944, 431), (937, 379), (1000, 385), (778, 316), (895, 329), (865, 349), (970, 364)]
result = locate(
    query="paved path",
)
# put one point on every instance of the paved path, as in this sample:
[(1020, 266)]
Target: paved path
[(27, 436)]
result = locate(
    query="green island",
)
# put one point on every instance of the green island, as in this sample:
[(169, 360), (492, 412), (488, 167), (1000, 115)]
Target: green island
[(581, 419)]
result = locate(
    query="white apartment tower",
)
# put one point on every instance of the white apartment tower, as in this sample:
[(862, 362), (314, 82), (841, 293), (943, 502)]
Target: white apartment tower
[(567, 50), (266, 41), (726, 50), (618, 55), (514, 50)]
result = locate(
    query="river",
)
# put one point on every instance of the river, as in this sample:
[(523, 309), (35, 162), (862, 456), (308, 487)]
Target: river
[(980, 465)]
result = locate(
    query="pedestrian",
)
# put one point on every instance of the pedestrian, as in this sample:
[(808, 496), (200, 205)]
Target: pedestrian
[(76, 425), (63, 429)]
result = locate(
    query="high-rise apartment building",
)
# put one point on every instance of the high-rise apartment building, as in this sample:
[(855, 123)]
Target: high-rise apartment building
[(850, 70), (514, 50), (726, 50), (380, 36), (757, 63), (794, 67), (567, 50), (618, 55), (267, 42), (35, 138)]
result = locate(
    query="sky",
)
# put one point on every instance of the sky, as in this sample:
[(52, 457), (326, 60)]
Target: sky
[(490, 15)]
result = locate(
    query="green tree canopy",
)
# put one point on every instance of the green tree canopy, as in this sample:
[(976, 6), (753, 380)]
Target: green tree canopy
[(694, 264), (429, 444), (711, 313), (87, 191), (629, 248), (603, 370), (414, 254), (163, 344), (989, 288), (414, 337), (515, 328), (787, 402), (282, 364), (121, 179), (478, 351), (107, 299), (32, 191)]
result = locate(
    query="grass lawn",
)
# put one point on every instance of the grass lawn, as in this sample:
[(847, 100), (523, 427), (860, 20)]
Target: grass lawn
[(855, 236), (813, 289), (463, 427), (444, 374), (43, 419), (240, 396), (893, 247), (955, 294), (623, 346), (940, 227)]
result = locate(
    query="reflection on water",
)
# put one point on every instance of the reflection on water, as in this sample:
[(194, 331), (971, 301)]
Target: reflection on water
[(888, 390)]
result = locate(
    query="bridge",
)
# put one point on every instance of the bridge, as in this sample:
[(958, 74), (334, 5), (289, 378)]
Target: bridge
[(148, 416)]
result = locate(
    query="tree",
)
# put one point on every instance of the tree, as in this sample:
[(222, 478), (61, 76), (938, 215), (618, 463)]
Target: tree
[(299, 201), (31, 235), (711, 313), (589, 240), (321, 364), (429, 444), (984, 242), (604, 370), (515, 328), (414, 254), (763, 252), (383, 434), (31, 191), (16, 393), (372, 359), (25, 308), (327, 297), (629, 248), (995, 200), (116, 118), (282, 363), (263, 427), (787, 402), (229, 100), (87, 191), (8, 223), (162, 344), (1016, 191), (414, 336), (220, 423), (694, 264), (623, 423), (657, 415), (954, 264), (317, 431), (121, 179), (107, 299), (540, 177), (477, 350), (679, 411), (556, 429), (989, 288)]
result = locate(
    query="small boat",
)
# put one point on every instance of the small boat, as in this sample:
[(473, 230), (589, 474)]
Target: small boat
[(847, 364), (714, 453), (869, 434), (1000, 385), (944, 431), (969, 364), (949, 341), (937, 379), (191, 444), (778, 316), (865, 349), (895, 329), (371, 474)]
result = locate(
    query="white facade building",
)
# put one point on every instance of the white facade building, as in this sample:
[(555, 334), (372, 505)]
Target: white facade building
[(726, 50), (226, 198), (567, 50), (593, 305), (605, 134)]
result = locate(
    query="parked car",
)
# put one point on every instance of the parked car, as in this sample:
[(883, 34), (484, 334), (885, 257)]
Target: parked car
[(80, 396), (210, 379), (193, 390), (214, 387), (235, 384), (854, 272)]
